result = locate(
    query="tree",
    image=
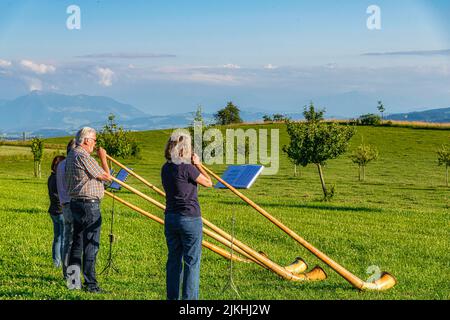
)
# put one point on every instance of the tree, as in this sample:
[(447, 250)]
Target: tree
[(37, 148), (444, 160), (312, 115), (267, 118), (381, 108), (278, 117), (369, 119), (116, 141), (198, 119), (315, 142), (228, 115), (362, 156)]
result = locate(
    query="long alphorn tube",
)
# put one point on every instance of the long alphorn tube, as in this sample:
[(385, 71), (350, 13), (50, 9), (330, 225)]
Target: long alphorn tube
[(314, 275), (134, 174), (386, 281), (298, 266), (163, 207), (206, 244)]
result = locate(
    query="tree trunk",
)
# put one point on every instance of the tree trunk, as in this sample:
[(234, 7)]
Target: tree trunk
[(295, 170), (322, 180), (359, 173), (363, 173), (446, 176), (35, 169), (39, 169)]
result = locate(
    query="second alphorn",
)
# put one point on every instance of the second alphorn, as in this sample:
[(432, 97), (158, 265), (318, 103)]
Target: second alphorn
[(384, 282), (314, 275)]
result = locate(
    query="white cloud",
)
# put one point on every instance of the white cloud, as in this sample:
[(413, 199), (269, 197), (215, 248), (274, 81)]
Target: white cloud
[(106, 76), (231, 66), (270, 66), (5, 63), (331, 65), (37, 68), (211, 78), (34, 84)]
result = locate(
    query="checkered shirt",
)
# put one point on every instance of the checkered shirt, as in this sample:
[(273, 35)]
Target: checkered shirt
[(81, 175)]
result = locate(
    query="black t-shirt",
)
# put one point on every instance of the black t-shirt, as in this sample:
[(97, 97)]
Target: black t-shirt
[(55, 207), (181, 189)]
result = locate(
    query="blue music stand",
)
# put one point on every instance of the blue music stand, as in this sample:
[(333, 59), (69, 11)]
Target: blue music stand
[(122, 175), (240, 176)]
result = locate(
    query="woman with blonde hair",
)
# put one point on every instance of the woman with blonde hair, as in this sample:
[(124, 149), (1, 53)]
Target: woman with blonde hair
[(183, 226)]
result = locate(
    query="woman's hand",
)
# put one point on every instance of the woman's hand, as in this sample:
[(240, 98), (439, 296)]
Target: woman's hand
[(195, 159)]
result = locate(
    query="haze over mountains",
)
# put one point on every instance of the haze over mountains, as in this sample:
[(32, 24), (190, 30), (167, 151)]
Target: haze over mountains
[(51, 114)]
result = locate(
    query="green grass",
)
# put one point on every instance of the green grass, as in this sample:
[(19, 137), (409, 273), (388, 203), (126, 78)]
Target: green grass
[(398, 220), (21, 152)]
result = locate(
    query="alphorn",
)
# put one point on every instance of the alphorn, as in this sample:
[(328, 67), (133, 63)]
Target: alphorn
[(134, 174), (316, 274), (298, 266), (206, 244), (384, 282)]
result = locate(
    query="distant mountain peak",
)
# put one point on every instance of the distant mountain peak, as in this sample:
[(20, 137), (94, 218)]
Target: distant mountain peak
[(41, 109)]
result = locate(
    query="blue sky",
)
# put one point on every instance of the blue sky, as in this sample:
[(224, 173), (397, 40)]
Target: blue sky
[(169, 56)]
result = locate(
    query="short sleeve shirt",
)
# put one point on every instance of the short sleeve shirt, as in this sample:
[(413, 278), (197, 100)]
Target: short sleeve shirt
[(179, 182), (61, 183), (81, 175)]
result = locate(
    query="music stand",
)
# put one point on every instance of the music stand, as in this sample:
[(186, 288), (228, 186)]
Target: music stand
[(240, 177), (122, 175)]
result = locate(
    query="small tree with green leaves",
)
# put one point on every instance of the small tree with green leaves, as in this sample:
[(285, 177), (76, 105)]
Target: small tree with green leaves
[(116, 141), (312, 115), (444, 160), (198, 118), (37, 148), (381, 108), (369, 119), (267, 118), (362, 156), (316, 142), (228, 115), (278, 117)]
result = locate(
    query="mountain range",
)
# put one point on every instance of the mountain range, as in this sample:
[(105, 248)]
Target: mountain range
[(434, 115), (50, 114)]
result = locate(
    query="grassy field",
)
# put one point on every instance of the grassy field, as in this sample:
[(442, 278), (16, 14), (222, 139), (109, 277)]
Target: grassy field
[(399, 220)]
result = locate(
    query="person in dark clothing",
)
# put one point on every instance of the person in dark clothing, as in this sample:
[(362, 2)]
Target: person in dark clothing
[(55, 211), (182, 219)]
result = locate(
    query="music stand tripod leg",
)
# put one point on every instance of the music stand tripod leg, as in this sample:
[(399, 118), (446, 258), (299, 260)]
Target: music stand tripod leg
[(110, 263)]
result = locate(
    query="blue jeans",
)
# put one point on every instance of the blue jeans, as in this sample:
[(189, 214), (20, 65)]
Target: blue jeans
[(184, 243), (68, 235), (58, 234), (87, 222)]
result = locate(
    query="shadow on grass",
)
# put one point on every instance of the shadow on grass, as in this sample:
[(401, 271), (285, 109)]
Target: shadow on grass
[(25, 210), (416, 189), (43, 278), (20, 179), (307, 206)]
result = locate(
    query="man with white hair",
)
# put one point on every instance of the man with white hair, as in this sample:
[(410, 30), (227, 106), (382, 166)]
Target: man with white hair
[(84, 179)]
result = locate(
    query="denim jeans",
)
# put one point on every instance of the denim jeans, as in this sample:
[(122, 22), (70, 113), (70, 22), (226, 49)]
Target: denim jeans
[(184, 243), (68, 236), (87, 222), (58, 234)]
